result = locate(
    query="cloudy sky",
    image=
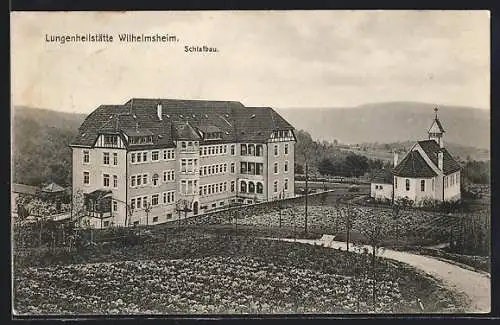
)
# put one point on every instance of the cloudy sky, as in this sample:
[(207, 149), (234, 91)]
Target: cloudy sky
[(280, 59)]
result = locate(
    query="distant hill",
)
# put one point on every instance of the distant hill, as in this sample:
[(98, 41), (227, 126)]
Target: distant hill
[(40, 145), (392, 122)]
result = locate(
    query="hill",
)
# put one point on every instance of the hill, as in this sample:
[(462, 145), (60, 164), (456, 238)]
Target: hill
[(40, 145), (392, 122)]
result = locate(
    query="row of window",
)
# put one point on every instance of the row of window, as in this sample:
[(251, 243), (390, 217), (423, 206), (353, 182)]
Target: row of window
[(215, 169), (285, 167), (156, 199), (106, 180), (138, 180), (251, 187), (251, 168), (188, 186), (451, 180), (215, 150), (188, 165), (189, 146), (142, 157), (251, 150), (210, 189), (106, 158), (407, 184)]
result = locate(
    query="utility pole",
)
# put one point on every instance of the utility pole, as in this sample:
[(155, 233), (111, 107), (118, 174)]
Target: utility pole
[(307, 193)]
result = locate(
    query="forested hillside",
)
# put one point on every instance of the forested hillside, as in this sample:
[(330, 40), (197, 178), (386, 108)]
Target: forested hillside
[(40, 145)]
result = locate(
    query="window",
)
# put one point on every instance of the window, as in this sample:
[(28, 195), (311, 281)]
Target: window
[(111, 139), (251, 150), (144, 201), (132, 204), (115, 206), (144, 156), (243, 167), (132, 157), (155, 155), (165, 197), (286, 148), (225, 168), (136, 223), (286, 184), (232, 186), (433, 188), (285, 168), (106, 223), (155, 180), (275, 149), (183, 144), (145, 179), (376, 187), (86, 156), (380, 187), (243, 187), (407, 184), (106, 158), (275, 186), (86, 178), (422, 185), (183, 187), (183, 165), (225, 148), (154, 199), (139, 157), (260, 188), (105, 179), (232, 149), (155, 219), (243, 149), (259, 169), (169, 216), (132, 181), (115, 181), (232, 168), (115, 158), (251, 187), (258, 150), (275, 167), (139, 180), (139, 200)]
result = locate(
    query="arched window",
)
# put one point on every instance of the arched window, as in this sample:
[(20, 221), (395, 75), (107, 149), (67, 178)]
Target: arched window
[(260, 188), (243, 187), (251, 187), (155, 179), (407, 184)]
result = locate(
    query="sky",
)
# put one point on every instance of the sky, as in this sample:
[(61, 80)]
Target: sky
[(282, 59)]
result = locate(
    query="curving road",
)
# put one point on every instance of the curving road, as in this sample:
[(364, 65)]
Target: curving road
[(476, 286)]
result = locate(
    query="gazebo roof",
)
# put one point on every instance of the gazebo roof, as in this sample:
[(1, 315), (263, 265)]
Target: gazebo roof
[(53, 188)]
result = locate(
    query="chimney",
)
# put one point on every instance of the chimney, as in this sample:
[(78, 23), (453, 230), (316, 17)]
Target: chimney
[(440, 160), (159, 111), (395, 159)]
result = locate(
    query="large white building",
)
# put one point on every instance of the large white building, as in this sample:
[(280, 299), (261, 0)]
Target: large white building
[(153, 160), (427, 171)]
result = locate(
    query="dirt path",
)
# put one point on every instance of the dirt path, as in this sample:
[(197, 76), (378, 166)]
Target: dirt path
[(476, 286)]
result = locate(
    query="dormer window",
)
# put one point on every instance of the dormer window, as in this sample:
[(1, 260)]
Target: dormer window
[(110, 139), (141, 139), (213, 135)]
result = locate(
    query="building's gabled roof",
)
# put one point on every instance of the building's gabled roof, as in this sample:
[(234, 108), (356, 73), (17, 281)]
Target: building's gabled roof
[(24, 189), (413, 166), (431, 149), (383, 176), (235, 121)]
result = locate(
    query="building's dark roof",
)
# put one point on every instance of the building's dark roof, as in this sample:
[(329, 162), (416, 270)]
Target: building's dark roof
[(236, 122), (383, 176), (431, 149), (24, 189), (413, 165)]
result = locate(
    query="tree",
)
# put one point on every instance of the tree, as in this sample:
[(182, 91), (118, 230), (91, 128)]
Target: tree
[(147, 209), (325, 167)]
